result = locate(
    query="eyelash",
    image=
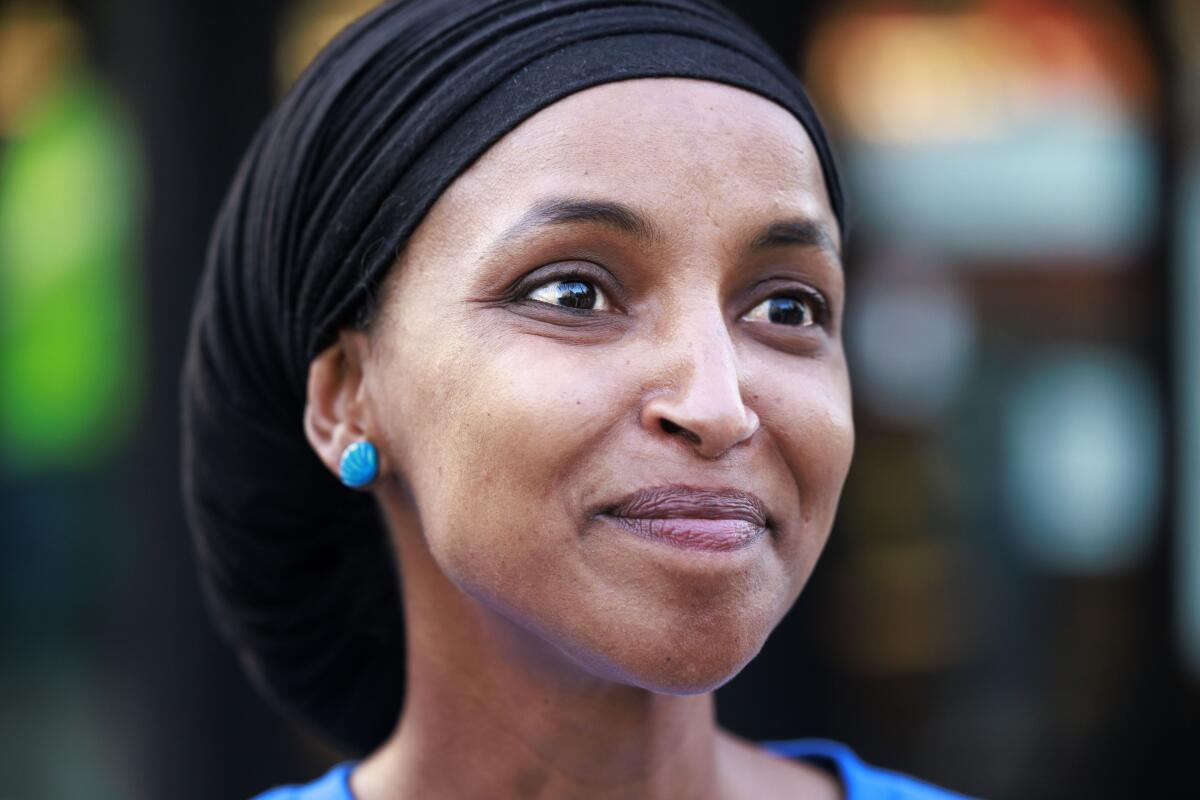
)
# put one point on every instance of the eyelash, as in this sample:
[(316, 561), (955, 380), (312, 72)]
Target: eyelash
[(817, 304), (815, 300), (523, 291)]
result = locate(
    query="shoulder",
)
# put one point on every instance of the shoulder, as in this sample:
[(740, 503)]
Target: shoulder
[(333, 785), (860, 780)]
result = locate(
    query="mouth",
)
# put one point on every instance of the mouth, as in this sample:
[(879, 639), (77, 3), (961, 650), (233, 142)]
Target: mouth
[(714, 520)]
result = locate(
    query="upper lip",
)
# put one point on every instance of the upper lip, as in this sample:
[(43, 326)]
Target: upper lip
[(664, 502)]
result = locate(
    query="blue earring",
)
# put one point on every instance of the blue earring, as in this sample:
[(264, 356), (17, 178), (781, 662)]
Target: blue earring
[(359, 465)]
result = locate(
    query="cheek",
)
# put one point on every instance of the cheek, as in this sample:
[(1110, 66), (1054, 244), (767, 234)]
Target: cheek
[(810, 420), (497, 468)]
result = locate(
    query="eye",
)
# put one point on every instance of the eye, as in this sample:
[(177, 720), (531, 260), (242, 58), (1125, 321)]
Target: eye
[(571, 292), (798, 312)]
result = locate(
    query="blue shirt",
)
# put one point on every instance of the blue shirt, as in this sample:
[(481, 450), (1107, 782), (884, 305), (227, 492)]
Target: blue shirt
[(859, 781)]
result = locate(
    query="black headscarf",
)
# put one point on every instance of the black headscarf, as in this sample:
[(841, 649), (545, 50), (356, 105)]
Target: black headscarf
[(297, 567)]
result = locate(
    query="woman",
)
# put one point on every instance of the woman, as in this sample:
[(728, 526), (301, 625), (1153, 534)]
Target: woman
[(557, 287)]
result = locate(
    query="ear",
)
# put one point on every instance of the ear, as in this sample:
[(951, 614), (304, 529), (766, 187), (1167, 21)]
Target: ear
[(337, 412)]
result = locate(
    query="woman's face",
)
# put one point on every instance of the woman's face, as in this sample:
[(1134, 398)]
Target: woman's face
[(638, 287)]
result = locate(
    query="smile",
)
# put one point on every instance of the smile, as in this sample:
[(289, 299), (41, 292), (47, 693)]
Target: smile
[(718, 520), (719, 535)]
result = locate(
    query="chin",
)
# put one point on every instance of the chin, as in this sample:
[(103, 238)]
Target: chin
[(683, 660), (695, 678)]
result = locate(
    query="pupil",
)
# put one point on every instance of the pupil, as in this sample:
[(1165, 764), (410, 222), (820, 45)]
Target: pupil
[(576, 294), (786, 311)]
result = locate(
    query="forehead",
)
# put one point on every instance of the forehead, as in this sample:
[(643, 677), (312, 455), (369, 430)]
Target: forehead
[(672, 147)]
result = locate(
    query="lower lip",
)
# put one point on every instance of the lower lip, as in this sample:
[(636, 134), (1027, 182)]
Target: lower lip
[(712, 535)]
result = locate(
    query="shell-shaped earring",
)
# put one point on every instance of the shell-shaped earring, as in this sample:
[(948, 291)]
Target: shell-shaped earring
[(359, 464)]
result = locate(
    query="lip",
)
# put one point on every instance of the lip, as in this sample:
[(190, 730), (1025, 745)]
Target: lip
[(697, 519)]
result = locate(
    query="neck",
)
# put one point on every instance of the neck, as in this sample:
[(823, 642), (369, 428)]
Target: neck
[(491, 710)]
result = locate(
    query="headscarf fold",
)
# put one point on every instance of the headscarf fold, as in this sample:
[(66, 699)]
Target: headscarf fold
[(298, 568)]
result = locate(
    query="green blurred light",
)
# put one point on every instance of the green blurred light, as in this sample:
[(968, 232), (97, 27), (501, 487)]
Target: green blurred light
[(70, 332)]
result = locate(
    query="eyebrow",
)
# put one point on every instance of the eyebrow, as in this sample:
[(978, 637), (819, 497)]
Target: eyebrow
[(797, 232), (625, 219), (564, 211)]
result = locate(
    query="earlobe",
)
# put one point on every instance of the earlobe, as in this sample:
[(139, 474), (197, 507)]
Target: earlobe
[(359, 464), (334, 414)]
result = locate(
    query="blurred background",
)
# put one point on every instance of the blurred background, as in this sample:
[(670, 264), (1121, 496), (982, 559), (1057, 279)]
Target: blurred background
[(1010, 603)]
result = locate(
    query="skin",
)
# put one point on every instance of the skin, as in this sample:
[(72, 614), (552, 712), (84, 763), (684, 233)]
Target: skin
[(566, 656)]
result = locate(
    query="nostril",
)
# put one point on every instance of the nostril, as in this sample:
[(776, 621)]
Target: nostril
[(671, 427)]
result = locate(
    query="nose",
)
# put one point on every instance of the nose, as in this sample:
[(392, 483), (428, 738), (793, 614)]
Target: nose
[(703, 402)]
